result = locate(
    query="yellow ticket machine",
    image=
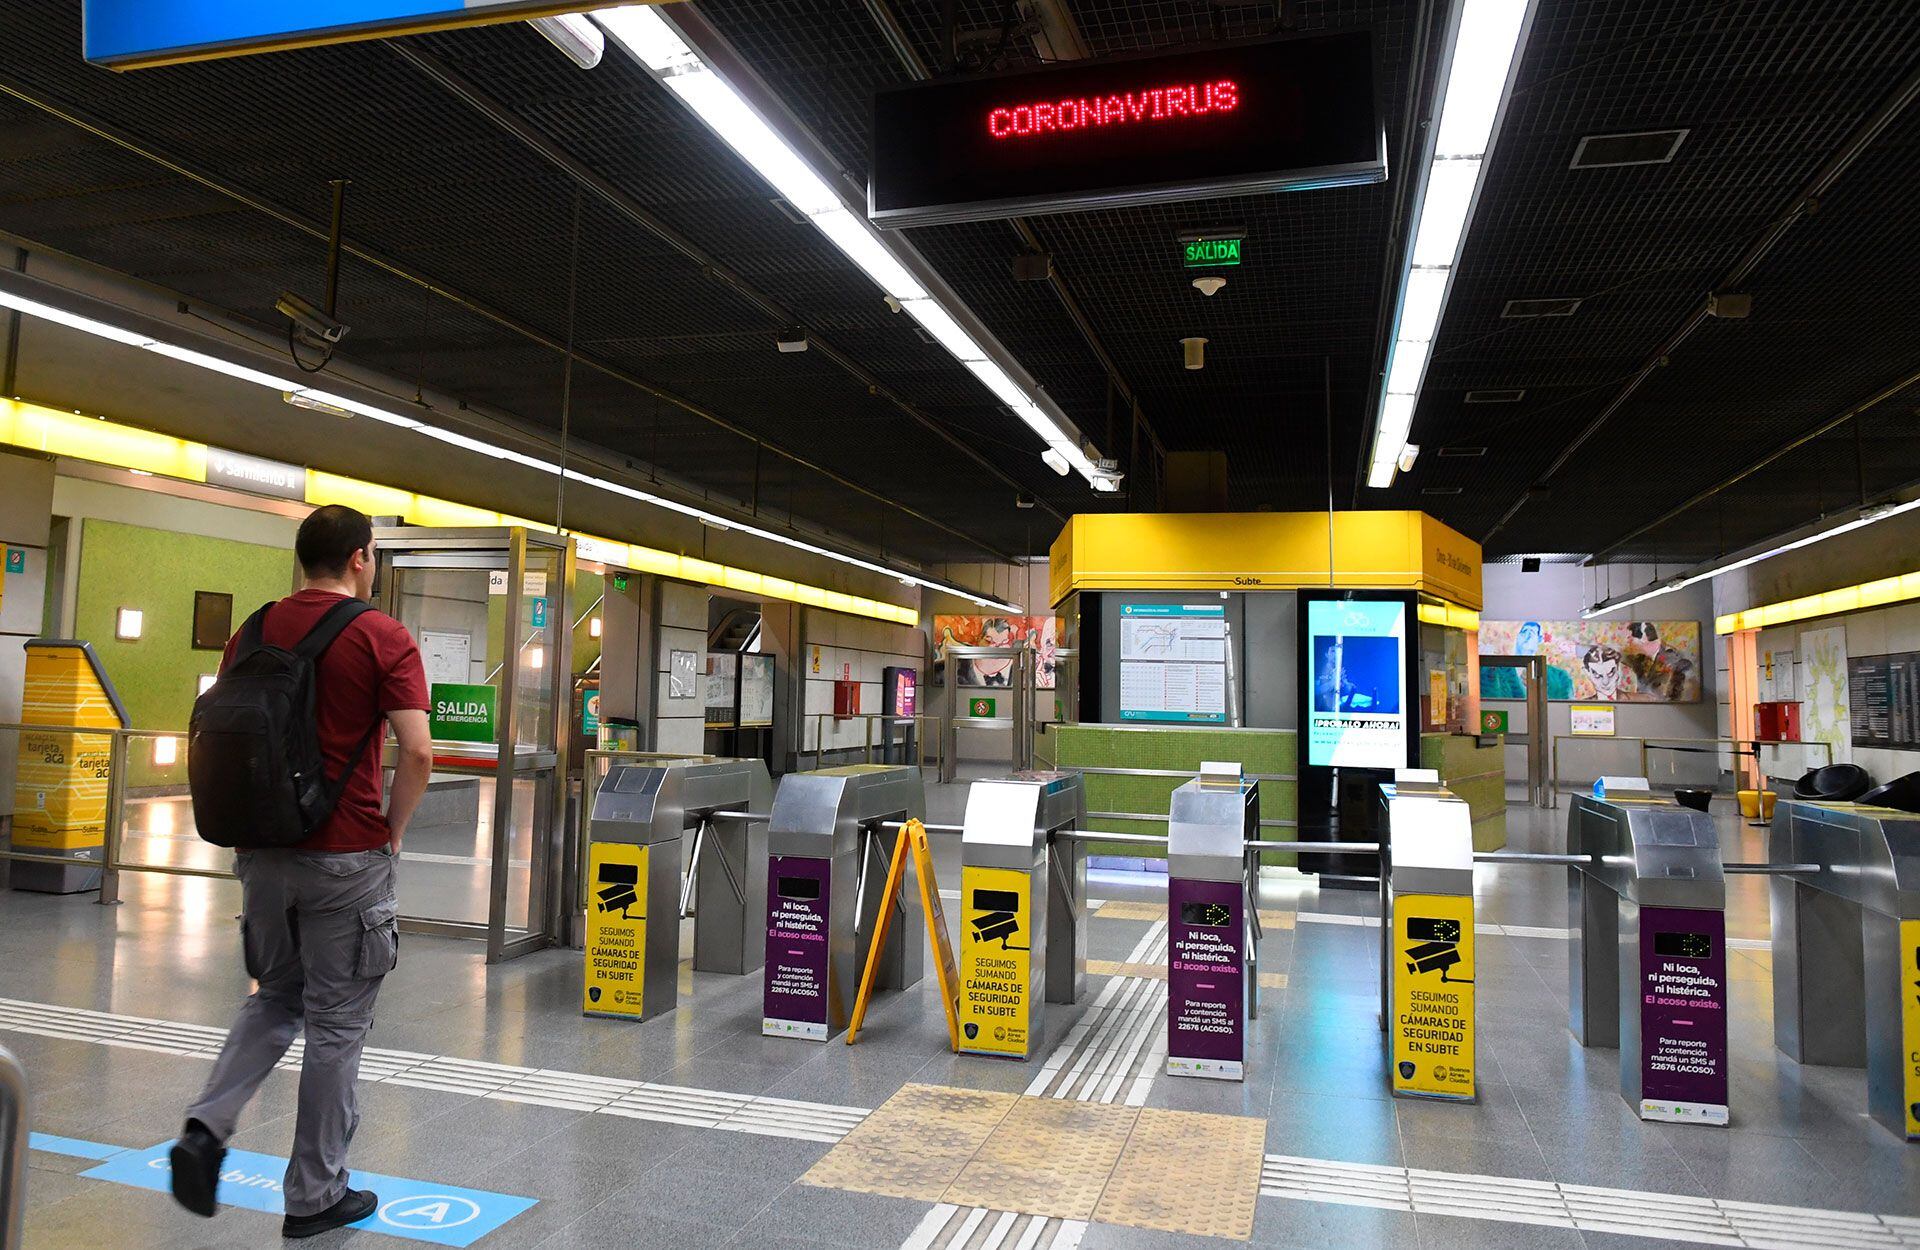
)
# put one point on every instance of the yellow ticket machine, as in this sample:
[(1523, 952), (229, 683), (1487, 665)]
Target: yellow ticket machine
[(60, 790)]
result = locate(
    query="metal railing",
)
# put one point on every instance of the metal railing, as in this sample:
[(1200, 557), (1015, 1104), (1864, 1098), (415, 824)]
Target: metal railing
[(1642, 748), (13, 1141), (919, 733)]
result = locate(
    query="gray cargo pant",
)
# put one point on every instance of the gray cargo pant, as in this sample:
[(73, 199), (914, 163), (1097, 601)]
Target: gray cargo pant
[(319, 932)]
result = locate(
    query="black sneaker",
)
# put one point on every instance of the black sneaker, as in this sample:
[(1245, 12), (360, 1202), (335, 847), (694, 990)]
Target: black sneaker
[(354, 1205), (196, 1160)]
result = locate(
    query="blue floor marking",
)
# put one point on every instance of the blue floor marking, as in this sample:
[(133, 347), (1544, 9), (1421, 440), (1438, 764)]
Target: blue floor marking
[(444, 1215), (73, 1146)]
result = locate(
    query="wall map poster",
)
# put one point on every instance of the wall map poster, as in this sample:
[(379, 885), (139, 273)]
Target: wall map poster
[(1683, 1015), (1597, 661), (616, 945), (1884, 700), (795, 999), (1433, 1006), (1206, 978), (1173, 663), (1826, 704)]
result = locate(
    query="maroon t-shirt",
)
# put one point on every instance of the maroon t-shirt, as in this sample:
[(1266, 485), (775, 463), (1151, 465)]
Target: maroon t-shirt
[(371, 669)]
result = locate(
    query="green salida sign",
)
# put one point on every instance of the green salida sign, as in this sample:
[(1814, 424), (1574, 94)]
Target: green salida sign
[(463, 713), (1211, 253)]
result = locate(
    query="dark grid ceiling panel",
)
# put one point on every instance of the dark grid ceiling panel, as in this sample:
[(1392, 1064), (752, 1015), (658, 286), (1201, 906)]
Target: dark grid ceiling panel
[(1768, 92), (1308, 294), (440, 189)]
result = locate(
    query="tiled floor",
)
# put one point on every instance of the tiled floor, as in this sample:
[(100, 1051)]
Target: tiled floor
[(683, 1131)]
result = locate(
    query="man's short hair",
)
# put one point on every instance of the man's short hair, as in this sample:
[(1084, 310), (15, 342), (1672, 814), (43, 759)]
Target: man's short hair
[(329, 537)]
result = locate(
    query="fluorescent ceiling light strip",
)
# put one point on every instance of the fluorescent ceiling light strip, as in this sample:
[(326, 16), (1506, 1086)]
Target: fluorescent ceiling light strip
[(863, 247), (1008, 392), (716, 103), (938, 322), (650, 38), (1480, 63), (215, 364), (1872, 517), (1443, 213), (1483, 53), (1409, 366)]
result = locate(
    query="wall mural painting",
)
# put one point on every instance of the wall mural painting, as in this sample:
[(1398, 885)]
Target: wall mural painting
[(1598, 661), (997, 631)]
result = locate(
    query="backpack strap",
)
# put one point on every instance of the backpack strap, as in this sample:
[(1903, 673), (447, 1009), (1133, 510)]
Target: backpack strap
[(329, 627), (252, 632)]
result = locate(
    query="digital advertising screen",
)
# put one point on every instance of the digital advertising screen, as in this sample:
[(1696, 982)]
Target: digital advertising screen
[(1358, 701)]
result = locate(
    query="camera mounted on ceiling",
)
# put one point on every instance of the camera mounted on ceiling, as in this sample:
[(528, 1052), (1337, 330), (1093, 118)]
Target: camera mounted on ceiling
[(312, 329)]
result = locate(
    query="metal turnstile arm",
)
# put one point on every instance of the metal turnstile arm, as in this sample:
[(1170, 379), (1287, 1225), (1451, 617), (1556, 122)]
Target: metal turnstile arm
[(693, 869)]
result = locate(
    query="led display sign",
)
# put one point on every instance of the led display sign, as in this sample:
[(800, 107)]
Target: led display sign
[(1275, 115)]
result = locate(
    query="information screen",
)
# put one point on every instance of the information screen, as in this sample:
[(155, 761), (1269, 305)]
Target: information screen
[(1683, 945), (1357, 707), (1282, 114)]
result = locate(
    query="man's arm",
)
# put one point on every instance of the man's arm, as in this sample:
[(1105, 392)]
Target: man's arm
[(411, 769)]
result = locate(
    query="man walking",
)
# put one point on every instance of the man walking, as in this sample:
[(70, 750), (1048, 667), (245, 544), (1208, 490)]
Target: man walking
[(319, 924)]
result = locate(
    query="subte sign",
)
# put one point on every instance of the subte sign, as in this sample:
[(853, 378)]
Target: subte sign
[(1276, 115)]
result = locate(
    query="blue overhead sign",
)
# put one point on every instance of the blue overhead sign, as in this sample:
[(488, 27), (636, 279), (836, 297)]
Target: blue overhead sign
[(128, 34)]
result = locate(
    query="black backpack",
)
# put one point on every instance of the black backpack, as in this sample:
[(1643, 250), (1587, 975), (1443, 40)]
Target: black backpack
[(253, 745)]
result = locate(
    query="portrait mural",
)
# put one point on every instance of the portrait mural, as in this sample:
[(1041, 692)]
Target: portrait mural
[(1598, 661)]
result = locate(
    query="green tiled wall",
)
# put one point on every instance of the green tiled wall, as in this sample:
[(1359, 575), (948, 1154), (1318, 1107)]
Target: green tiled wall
[(1259, 751), (1478, 775)]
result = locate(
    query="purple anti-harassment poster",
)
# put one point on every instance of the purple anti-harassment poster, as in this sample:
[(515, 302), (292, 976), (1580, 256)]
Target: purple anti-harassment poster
[(1683, 1015)]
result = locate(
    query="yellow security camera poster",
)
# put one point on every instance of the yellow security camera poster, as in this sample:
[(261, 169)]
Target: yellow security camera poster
[(1433, 995)]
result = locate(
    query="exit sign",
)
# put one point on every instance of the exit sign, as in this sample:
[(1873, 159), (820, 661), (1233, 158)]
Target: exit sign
[(1211, 253)]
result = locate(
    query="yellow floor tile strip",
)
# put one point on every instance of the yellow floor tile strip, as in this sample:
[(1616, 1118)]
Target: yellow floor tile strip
[(1121, 909), (1158, 972), (1050, 1156)]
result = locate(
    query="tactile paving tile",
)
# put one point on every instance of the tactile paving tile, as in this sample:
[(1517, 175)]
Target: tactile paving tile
[(1049, 1157), (1211, 1192), (1158, 972), (914, 1144), (1119, 909)]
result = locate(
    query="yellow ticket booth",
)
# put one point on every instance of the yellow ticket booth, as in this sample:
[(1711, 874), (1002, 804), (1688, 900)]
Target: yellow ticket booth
[(62, 784)]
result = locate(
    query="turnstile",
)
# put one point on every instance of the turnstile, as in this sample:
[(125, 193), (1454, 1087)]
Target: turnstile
[(1427, 971), (1846, 948), (1021, 890), (640, 817), (1648, 912), (1210, 820), (825, 886)]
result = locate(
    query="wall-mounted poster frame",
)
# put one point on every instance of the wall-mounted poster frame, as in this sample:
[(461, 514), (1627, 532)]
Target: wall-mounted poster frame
[(212, 620)]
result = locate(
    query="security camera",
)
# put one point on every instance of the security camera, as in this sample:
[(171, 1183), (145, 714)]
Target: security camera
[(1209, 285), (316, 326)]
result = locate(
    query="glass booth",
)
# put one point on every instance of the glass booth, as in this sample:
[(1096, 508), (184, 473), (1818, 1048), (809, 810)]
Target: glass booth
[(486, 857)]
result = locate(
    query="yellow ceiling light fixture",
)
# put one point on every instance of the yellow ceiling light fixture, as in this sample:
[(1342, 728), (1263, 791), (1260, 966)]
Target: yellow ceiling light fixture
[(118, 446), (1903, 588)]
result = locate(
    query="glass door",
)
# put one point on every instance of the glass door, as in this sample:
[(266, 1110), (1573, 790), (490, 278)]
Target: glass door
[(487, 608)]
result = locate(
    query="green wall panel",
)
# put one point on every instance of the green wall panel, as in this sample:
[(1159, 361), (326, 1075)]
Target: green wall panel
[(157, 571), (1272, 752)]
